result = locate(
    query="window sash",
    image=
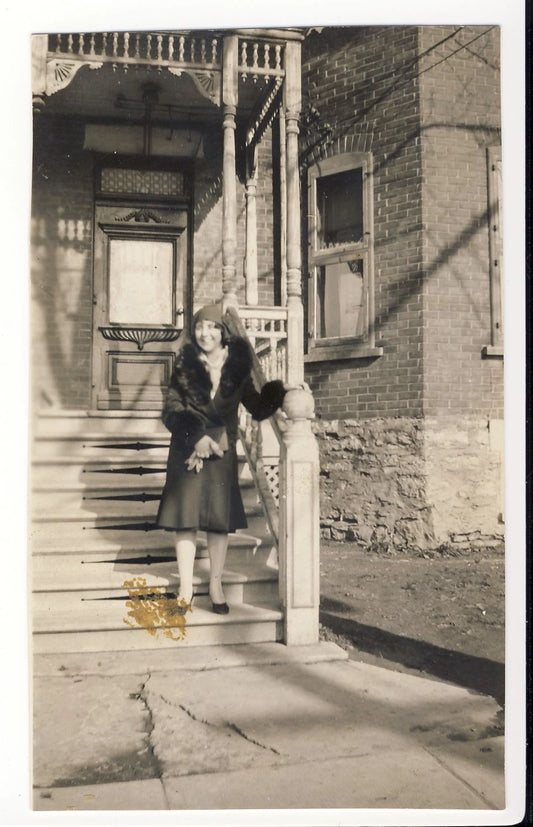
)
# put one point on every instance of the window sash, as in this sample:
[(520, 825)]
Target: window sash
[(321, 258)]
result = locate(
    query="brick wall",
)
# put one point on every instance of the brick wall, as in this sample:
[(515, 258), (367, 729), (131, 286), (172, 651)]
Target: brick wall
[(460, 118), (363, 83), (208, 229), (61, 265)]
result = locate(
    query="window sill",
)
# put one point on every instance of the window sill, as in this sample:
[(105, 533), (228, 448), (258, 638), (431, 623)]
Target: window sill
[(330, 353), (492, 352)]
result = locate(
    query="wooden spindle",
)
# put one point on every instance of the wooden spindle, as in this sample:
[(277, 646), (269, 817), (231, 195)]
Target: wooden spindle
[(159, 48), (278, 56), (181, 56), (149, 47), (126, 44), (81, 43), (115, 44), (192, 49), (58, 44), (214, 44), (137, 46), (70, 41), (171, 47), (202, 50), (92, 50)]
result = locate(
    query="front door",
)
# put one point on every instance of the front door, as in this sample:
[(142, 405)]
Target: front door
[(140, 299)]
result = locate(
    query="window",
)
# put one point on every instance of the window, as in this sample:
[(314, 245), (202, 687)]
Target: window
[(341, 300), (495, 217)]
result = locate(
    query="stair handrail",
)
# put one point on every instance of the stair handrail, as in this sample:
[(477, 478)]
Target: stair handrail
[(251, 438)]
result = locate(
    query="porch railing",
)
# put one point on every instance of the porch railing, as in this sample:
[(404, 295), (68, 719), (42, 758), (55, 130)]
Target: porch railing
[(265, 328), (286, 471)]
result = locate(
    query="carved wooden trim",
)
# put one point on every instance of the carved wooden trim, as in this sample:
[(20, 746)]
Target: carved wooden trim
[(206, 81), (60, 72), (140, 335), (145, 216)]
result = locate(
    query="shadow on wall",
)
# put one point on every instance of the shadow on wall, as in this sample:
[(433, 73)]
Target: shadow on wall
[(61, 288)]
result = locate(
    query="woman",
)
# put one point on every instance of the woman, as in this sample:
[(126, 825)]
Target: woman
[(212, 375)]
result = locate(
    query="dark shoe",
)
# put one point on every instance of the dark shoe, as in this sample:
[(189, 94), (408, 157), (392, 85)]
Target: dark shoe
[(220, 608), (181, 608)]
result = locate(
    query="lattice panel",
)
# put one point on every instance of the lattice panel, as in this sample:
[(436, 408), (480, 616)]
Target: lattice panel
[(142, 182), (272, 476)]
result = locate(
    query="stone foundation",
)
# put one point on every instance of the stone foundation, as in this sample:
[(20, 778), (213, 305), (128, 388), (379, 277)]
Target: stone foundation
[(405, 483)]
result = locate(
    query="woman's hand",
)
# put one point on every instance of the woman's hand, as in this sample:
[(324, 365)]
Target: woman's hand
[(206, 447)]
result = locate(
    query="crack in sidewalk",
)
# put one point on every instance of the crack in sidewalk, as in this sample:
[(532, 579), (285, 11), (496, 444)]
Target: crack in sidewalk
[(246, 737), (228, 725), (142, 696)]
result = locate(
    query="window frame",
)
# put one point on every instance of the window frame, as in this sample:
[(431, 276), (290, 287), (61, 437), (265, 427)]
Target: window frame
[(496, 266), (344, 347)]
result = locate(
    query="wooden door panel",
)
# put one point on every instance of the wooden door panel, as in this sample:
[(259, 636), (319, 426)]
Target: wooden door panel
[(140, 290)]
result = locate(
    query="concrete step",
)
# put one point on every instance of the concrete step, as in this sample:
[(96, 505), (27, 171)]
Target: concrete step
[(68, 623), (79, 572), (61, 423), (93, 504), (99, 446), (62, 537)]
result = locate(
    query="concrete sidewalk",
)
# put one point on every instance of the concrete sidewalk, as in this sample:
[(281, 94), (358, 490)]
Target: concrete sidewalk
[(257, 726)]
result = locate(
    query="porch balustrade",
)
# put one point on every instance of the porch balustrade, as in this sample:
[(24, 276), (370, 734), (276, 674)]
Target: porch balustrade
[(283, 457)]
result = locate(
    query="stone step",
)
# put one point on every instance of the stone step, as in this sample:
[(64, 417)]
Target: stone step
[(78, 622)]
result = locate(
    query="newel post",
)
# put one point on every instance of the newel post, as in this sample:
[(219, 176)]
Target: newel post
[(299, 529)]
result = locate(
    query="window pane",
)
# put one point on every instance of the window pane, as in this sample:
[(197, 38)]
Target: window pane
[(140, 281), (340, 208), (341, 299)]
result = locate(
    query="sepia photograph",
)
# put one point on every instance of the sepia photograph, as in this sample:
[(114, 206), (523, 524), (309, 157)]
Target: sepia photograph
[(268, 559)]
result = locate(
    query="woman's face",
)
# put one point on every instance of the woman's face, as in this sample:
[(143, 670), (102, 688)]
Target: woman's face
[(208, 336)]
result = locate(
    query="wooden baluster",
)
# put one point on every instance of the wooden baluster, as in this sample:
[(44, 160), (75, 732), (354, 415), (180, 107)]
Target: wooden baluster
[(149, 47), (92, 50), (159, 48), (202, 50), (171, 47), (255, 59), (244, 58), (115, 44), (104, 43), (126, 44), (181, 55), (81, 43), (278, 56), (267, 57), (192, 49), (137, 46), (70, 41), (214, 44), (58, 44)]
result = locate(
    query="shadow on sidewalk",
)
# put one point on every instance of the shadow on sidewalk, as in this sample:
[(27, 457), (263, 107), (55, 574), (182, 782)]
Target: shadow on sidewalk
[(471, 672)]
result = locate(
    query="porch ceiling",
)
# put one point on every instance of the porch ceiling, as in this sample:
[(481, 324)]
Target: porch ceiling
[(93, 94)]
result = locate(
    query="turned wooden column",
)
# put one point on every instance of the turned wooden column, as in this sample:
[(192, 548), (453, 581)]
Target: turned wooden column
[(292, 105), (229, 183), (250, 261)]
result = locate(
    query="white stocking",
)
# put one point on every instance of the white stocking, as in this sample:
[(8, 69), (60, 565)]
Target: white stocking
[(185, 553), (217, 545)]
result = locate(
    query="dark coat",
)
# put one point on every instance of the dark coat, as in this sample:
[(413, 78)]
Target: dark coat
[(209, 499)]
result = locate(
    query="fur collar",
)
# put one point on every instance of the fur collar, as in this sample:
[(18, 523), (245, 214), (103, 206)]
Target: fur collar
[(190, 374)]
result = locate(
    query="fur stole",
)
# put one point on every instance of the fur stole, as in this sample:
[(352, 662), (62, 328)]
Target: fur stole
[(190, 375)]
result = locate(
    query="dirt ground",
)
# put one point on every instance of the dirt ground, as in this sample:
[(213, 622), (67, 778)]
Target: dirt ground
[(439, 614)]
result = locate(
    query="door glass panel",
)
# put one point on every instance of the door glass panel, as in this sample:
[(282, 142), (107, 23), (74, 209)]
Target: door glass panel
[(341, 299), (140, 281)]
